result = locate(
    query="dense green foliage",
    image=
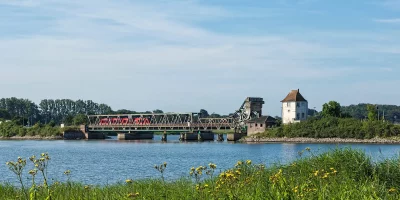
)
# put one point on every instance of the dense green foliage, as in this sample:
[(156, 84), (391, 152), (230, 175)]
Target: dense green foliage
[(335, 127), (390, 112), (339, 174), (10, 129), (331, 109)]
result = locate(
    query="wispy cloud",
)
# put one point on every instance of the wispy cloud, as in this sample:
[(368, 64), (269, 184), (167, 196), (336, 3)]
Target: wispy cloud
[(388, 21), (152, 49)]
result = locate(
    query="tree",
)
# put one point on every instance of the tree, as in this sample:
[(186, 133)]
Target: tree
[(203, 113), (157, 111), (372, 112), (332, 109), (80, 119), (4, 114)]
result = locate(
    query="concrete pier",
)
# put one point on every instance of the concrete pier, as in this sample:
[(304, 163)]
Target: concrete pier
[(95, 136), (202, 136), (164, 137), (220, 138), (235, 136), (73, 135), (135, 136)]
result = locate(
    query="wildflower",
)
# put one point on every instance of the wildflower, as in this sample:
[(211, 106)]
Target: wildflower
[(132, 195), (206, 185), (325, 175), (128, 181), (316, 173), (212, 166), (165, 164), (237, 172), (87, 187), (33, 172), (308, 149), (68, 172), (238, 163), (392, 190), (248, 162)]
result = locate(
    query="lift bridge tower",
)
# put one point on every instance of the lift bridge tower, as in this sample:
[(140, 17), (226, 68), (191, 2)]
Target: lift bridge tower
[(250, 109)]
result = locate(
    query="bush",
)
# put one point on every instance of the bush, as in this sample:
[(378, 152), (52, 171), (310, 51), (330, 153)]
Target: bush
[(334, 127)]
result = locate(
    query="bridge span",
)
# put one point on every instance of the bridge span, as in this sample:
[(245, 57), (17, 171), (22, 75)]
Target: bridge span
[(176, 122)]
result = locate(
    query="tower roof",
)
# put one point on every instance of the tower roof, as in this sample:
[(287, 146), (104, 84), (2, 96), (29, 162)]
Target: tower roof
[(294, 95)]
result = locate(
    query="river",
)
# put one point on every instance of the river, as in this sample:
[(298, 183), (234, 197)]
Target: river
[(109, 161)]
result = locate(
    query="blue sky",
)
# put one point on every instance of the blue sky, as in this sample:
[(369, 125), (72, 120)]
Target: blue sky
[(184, 55)]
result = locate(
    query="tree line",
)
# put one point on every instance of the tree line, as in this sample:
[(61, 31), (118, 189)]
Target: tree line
[(387, 112), (58, 111), (55, 111)]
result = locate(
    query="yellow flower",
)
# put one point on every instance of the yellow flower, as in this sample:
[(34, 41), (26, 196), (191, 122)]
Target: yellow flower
[(128, 181), (33, 172), (87, 187), (67, 172), (316, 173), (238, 172), (239, 163), (132, 195), (248, 162), (165, 164), (212, 166), (206, 185), (392, 190), (308, 149)]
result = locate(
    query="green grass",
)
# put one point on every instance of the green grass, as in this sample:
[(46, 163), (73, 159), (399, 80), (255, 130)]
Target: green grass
[(338, 174)]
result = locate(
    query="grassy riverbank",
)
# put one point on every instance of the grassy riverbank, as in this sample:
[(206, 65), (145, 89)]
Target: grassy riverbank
[(339, 174), (335, 127)]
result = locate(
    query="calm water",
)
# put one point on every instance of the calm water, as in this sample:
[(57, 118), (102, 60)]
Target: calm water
[(110, 161)]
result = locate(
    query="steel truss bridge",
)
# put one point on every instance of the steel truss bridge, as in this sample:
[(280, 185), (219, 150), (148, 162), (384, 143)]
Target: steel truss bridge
[(158, 122), (175, 122)]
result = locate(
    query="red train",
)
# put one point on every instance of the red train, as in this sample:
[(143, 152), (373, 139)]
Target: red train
[(124, 121)]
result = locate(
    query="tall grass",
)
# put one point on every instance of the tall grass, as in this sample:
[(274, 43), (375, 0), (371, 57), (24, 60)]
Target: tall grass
[(338, 174)]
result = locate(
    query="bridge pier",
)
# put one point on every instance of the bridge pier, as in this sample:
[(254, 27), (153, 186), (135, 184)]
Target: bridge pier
[(202, 136), (164, 137), (94, 136), (235, 136), (182, 137), (135, 136), (220, 138)]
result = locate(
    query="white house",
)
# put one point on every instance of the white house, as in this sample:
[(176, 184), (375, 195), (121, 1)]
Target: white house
[(294, 108)]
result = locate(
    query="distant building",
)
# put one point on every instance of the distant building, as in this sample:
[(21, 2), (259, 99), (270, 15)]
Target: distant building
[(294, 108), (259, 125)]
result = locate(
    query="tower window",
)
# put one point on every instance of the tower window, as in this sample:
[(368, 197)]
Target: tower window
[(302, 115), (298, 104)]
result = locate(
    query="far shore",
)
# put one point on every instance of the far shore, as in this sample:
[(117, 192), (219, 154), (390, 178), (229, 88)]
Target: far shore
[(255, 139), (36, 137)]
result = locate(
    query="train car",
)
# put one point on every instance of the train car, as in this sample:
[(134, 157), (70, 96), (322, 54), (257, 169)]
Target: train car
[(104, 122), (141, 121), (124, 121), (115, 121)]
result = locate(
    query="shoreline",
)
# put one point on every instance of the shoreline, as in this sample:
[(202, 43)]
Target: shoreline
[(253, 139), (36, 137)]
